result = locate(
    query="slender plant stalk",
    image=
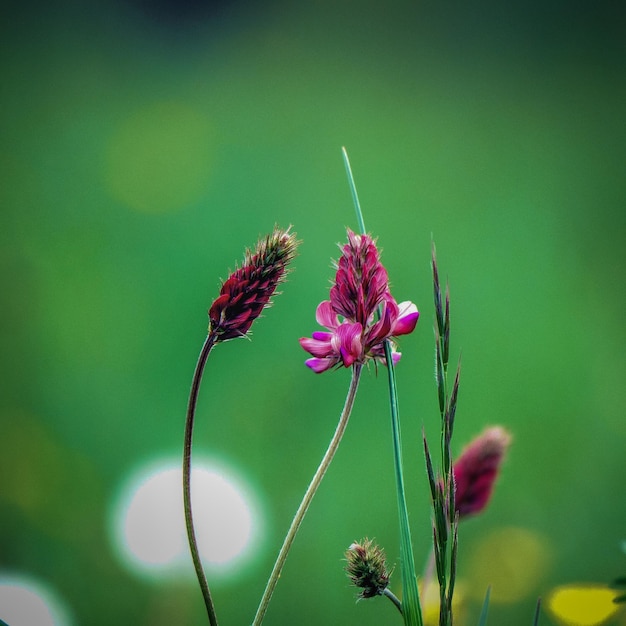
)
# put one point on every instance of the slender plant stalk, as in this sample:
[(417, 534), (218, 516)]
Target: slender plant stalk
[(392, 596), (209, 342), (308, 496), (411, 608)]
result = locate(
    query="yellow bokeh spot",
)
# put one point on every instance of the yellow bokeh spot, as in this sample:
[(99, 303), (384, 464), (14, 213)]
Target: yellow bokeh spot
[(53, 486), (582, 604), (512, 561), (430, 602), (159, 158)]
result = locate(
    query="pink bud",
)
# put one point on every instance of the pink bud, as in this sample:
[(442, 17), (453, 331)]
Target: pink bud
[(476, 470)]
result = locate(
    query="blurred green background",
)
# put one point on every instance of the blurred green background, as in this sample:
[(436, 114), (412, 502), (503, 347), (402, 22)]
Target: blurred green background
[(146, 144)]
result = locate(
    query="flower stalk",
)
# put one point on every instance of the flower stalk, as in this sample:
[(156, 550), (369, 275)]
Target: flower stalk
[(189, 423), (308, 496)]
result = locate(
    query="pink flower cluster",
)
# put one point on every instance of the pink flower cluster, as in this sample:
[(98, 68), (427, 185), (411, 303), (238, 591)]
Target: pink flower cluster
[(476, 470), (354, 332)]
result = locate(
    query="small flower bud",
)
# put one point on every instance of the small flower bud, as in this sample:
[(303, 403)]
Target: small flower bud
[(366, 568), (476, 470), (249, 288)]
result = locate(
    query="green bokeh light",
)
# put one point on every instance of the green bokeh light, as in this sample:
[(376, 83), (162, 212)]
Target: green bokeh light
[(159, 159)]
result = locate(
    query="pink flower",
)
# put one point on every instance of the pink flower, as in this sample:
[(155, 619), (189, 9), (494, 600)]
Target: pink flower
[(476, 470), (353, 333)]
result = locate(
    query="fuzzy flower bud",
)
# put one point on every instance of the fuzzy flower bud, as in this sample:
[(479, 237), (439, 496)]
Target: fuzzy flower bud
[(354, 332), (248, 290), (476, 470), (367, 568)]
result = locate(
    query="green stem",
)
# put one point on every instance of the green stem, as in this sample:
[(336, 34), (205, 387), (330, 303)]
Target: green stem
[(412, 610), (392, 596), (308, 496), (209, 342)]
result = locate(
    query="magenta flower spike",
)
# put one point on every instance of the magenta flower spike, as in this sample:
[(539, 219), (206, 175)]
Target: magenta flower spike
[(354, 334), (476, 470)]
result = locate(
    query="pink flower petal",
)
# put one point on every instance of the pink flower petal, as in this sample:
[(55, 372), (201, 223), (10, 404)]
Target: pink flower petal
[(350, 346), (383, 327), (317, 348), (325, 315), (407, 319), (320, 365)]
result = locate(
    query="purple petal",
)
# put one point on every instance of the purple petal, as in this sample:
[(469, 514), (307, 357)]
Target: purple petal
[(320, 365)]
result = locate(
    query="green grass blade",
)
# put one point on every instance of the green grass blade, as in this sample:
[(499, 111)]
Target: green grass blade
[(355, 195), (483, 613), (411, 609), (536, 620)]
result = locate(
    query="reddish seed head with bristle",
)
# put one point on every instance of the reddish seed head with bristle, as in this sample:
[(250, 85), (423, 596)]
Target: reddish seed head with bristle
[(248, 290)]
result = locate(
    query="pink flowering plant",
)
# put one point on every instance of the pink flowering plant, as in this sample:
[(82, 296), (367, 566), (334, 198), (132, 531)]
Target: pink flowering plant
[(361, 322)]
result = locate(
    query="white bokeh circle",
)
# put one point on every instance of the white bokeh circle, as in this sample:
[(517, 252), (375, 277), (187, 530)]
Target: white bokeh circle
[(149, 523), (26, 602)]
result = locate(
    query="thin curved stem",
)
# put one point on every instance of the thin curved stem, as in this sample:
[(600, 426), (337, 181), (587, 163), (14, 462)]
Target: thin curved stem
[(308, 496), (392, 596), (209, 342)]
